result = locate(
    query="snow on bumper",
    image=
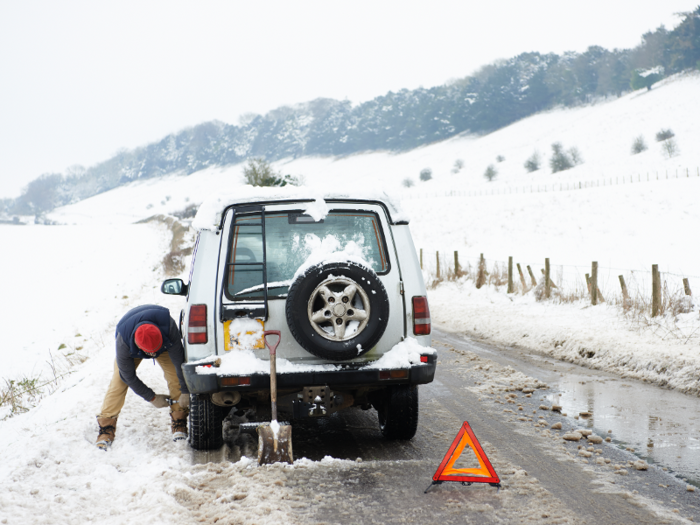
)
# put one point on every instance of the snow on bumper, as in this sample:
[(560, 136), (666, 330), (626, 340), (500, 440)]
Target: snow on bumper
[(243, 371)]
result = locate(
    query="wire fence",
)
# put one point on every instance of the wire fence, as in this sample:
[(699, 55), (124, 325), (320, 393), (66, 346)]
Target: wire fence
[(680, 173), (626, 287)]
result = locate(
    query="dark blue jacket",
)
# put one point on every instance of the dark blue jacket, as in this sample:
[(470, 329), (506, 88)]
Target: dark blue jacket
[(127, 350), (147, 313)]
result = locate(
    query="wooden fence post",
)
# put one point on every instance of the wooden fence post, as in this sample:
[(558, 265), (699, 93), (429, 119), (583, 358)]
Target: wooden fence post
[(511, 288), (522, 278), (437, 259), (655, 290), (686, 286), (532, 276), (625, 295), (481, 275), (594, 283), (458, 268), (547, 285)]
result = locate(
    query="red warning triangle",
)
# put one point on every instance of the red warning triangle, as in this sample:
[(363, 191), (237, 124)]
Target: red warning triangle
[(447, 470)]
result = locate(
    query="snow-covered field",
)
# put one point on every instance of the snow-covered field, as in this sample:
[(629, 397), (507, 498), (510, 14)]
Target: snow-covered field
[(68, 285), (63, 285)]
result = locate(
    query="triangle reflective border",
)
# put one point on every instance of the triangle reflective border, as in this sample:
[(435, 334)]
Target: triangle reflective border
[(447, 470)]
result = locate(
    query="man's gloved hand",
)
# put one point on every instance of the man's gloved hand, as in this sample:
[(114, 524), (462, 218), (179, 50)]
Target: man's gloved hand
[(184, 400), (160, 401)]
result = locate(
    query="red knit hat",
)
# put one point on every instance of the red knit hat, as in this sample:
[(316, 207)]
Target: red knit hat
[(148, 338)]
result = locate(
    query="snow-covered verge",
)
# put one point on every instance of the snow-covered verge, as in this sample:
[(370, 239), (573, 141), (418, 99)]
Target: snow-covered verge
[(63, 285), (52, 473), (664, 350)]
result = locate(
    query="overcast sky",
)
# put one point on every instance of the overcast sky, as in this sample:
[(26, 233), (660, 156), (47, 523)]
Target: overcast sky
[(83, 79)]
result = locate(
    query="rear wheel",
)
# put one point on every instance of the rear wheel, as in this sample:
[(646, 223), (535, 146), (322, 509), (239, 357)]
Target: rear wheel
[(398, 412), (206, 420)]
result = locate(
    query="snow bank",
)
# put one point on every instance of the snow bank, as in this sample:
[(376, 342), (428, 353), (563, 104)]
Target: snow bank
[(666, 352)]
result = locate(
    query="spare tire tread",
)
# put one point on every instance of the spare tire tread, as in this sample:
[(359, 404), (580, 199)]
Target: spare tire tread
[(300, 326)]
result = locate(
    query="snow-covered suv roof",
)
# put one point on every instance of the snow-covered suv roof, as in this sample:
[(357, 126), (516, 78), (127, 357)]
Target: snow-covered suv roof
[(313, 202)]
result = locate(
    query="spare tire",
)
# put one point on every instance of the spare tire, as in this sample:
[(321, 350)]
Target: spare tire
[(337, 311)]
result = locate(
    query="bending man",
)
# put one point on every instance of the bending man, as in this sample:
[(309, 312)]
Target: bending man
[(146, 332)]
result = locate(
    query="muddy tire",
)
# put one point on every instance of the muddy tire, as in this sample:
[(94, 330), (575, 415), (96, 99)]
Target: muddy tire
[(337, 311), (398, 412), (206, 420)]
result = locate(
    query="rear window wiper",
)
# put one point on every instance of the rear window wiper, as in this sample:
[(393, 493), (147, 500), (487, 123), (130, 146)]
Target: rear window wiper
[(270, 286)]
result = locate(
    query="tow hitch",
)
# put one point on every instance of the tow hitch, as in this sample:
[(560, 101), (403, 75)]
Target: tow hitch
[(317, 401)]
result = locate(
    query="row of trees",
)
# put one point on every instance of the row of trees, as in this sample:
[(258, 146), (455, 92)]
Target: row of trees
[(493, 97)]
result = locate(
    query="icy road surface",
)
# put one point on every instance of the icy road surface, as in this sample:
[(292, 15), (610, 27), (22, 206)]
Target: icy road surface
[(51, 472), (660, 425), (544, 478)]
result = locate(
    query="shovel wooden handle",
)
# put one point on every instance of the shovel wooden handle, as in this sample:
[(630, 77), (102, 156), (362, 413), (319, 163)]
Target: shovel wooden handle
[(273, 369)]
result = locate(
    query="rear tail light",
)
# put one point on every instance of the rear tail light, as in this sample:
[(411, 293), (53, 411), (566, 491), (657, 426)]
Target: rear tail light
[(393, 374), (421, 316), (235, 381), (197, 325)]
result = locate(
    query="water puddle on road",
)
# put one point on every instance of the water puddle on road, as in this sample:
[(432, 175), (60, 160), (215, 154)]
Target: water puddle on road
[(662, 426)]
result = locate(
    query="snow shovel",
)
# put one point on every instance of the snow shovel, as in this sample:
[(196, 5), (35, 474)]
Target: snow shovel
[(274, 440)]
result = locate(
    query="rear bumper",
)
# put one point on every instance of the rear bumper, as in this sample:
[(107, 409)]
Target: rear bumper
[(346, 379)]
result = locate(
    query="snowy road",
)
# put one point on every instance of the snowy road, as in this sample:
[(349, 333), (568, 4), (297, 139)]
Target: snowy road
[(544, 479), (661, 425)]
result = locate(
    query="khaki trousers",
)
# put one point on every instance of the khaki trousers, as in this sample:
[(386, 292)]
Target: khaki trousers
[(116, 393)]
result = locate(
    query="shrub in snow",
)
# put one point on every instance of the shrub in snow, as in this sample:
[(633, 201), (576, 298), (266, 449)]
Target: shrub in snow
[(645, 78), (563, 160), (500, 158), (664, 134), (639, 145), (426, 174), (259, 172), (533, 163), (490, 172), (669, 148), (459, 164), (407, 183), (575, 156)]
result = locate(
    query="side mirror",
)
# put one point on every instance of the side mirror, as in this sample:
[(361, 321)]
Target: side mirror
[(174, 287)]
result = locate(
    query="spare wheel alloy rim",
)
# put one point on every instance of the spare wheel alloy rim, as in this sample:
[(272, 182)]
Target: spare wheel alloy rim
[(335, 306)]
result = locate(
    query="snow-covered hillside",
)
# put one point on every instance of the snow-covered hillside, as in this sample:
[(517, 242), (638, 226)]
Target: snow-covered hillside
[(628, 226)]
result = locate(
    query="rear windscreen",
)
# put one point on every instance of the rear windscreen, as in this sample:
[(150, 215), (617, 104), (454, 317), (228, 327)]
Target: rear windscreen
[(290, 238)]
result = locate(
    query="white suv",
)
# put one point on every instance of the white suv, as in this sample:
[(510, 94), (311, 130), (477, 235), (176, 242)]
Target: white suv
[(338, 277)]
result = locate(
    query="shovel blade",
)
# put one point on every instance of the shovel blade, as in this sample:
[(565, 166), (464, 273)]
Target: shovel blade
[(274, 447)]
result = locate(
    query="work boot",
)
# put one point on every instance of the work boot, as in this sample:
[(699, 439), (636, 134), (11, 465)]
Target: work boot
[(108, 426), (179, 425)]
